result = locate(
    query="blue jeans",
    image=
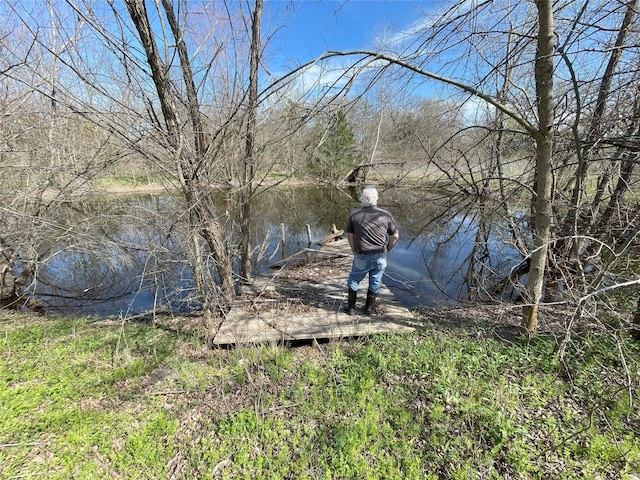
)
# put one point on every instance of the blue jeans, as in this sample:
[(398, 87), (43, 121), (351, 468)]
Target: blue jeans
[(373, 264)]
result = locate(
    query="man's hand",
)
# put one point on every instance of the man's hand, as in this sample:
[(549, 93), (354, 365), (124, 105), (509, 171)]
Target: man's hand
[(393, 239)]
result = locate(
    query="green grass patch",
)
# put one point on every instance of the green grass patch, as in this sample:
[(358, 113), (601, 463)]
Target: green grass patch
[(68, 399), (91, 400), (119, 181), (124, 181)]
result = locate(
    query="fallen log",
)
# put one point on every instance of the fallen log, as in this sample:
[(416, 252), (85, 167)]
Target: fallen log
[(336, 235)]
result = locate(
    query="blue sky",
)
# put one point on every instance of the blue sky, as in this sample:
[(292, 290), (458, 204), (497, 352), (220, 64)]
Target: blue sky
[(319, 25), (305, 29)]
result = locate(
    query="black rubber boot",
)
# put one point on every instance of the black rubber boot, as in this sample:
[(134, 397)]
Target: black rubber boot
[(369, 307), (351, 302)]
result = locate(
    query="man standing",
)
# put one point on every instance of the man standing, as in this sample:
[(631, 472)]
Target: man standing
[(372, 232)]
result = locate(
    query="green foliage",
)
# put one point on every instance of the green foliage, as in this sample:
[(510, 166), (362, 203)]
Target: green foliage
[(336, 152), (82, 400)]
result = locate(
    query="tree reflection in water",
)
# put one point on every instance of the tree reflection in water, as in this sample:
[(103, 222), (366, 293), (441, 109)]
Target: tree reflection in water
[(130, 255)]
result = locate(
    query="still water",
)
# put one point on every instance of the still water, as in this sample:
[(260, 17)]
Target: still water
[(127, 255)]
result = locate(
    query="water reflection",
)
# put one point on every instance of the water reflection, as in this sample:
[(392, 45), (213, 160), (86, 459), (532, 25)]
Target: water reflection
[(127, 254)]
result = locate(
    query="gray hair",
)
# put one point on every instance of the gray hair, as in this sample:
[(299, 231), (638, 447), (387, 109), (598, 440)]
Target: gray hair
[(369, 196)]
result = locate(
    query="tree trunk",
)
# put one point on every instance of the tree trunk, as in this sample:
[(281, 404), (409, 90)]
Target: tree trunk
[(544, 150), (250, 149), (197, 188)]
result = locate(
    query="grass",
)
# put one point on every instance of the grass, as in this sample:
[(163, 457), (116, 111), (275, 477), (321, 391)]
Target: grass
[(125, 181), (95, 400)]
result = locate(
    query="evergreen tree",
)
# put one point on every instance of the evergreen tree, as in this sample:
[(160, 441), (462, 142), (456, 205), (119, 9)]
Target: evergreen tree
[(337, 153)]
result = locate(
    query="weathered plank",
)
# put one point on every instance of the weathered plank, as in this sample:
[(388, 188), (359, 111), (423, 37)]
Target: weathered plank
[(284, 310)]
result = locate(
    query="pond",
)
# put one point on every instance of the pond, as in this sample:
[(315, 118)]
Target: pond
[(128, 255)]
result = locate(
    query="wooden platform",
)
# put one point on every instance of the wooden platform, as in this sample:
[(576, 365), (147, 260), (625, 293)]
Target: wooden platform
[(304, 300)]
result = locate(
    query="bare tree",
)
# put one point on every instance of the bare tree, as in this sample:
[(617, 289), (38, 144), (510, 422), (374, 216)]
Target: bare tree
[(544, 135), (125, 114), (515, 47), (247, 189), (196, 126), (591, 146), (48, 153), (189, 155)]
